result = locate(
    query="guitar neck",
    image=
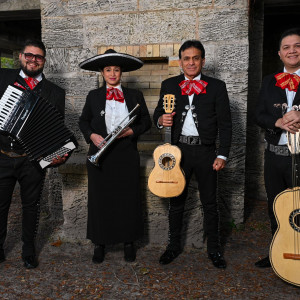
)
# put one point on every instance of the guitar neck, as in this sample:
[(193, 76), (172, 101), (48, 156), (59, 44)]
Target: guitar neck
[(168, 135)]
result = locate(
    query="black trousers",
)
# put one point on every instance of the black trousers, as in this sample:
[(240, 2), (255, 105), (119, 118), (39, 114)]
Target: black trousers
[(31, 183), (198, 159), (278, 177)]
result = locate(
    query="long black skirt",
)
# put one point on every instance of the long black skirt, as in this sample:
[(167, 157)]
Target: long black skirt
[(114, 202)]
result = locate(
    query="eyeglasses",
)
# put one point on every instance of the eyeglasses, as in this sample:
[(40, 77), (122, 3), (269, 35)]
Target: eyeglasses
[(30, 56)]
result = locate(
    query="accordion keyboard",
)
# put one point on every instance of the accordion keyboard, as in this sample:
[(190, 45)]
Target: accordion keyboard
[(9, 101), (60, 152)]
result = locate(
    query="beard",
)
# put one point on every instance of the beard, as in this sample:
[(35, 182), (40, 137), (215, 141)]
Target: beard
[(31, 73)]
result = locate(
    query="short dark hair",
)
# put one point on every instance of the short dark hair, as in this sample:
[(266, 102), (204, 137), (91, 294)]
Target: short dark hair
[(34, 43), (291, 31), (192, 44)]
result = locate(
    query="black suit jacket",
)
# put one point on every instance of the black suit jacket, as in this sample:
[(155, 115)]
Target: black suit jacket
[(49, 91), (92, 121), (267, 110), (212, 109)]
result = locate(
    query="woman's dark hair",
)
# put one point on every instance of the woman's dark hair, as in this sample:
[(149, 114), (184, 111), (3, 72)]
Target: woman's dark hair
[(110, 51), (291, 31), (192, 44), (107, 52), (34, 43)]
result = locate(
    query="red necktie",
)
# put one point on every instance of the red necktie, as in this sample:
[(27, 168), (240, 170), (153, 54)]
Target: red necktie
[(31, 82), (287, 81), (114, 94), (189, 87)]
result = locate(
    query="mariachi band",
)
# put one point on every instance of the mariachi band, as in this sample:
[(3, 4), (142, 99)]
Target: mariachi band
[(113, 118)]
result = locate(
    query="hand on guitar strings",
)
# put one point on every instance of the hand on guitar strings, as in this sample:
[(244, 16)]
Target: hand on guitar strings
[(97, 140), (166, 120), (219, 164)]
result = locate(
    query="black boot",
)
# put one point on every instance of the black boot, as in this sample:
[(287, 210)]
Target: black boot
[(99, 252), (129, 252), (263, 263)]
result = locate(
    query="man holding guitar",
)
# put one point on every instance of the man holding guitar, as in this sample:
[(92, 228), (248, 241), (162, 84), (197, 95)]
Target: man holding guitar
[(278, 113), (202, 111)]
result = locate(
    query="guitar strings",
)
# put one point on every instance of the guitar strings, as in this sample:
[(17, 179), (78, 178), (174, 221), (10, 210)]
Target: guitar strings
[(296, 193)]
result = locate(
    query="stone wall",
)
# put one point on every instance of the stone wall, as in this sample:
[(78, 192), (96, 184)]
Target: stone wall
[(255, 137), (14, 5), (75, 30)]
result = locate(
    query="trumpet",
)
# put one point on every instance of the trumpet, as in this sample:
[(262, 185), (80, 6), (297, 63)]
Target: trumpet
[(111, 137)]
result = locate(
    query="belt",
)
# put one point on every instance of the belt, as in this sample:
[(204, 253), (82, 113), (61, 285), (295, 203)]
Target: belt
[(13, 154), (190, 140), (282, 150)]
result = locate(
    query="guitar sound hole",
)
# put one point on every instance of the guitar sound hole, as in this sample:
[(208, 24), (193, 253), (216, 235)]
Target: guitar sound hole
[(297, 220), (294, 220), (167, 161)]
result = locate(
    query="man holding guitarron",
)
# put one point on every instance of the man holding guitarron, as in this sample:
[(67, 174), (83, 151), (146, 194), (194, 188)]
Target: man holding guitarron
[(201, 113), (278, 113)]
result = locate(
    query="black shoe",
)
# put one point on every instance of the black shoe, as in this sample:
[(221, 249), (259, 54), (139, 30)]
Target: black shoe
[(217, 260), (263, 263), (129, 252), (99, 252), (2, 256), (168, 257), (30, 262)]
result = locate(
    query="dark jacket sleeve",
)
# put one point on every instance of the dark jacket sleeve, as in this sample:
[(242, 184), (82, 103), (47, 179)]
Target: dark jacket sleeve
[(266, 114), (143, 121), (224, 123), (85, 119), (159, 110)]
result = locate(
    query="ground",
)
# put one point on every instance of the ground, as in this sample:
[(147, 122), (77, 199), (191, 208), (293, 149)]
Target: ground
[(67, 272)]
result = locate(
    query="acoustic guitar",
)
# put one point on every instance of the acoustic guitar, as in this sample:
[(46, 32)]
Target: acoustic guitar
[(285, 246), (166, 179)]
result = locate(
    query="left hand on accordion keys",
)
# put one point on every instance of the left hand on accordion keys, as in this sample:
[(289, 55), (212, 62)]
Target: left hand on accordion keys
[(59, 160)]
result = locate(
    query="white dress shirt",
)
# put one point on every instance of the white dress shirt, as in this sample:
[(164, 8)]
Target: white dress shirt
[(290, 95), (115, 112), (189, 127), (38, 77)]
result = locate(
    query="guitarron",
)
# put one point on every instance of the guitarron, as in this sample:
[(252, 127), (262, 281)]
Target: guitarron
[(166, 179), (285, 246)]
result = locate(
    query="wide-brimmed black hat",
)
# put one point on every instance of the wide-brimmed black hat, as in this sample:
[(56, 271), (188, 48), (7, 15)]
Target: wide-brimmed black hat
[(112, 58)]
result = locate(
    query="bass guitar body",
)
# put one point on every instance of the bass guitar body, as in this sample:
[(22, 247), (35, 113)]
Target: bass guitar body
[(166, 179), (285, 246)]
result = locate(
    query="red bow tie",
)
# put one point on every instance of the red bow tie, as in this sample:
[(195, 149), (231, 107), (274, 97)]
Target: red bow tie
[(189, 87), (31, 82), (114, 94), (287, 80)]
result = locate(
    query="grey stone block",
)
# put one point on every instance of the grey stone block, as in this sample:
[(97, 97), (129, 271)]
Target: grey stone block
[(173, 4), (223, 24)]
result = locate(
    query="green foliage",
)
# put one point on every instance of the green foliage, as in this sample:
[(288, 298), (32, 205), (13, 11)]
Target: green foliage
[(7, 62), (237, 227)]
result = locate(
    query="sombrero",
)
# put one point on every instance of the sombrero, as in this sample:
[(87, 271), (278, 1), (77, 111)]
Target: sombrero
[(112, 58)]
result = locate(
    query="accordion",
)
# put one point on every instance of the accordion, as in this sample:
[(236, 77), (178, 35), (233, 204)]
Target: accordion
[(36, 125)]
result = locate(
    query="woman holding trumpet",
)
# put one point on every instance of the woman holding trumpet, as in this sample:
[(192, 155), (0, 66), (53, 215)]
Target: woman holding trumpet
[(114, 202)]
